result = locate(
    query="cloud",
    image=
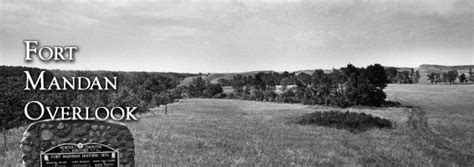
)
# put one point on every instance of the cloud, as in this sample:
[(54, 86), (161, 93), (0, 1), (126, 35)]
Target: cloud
[(20, 16), (237, 31)]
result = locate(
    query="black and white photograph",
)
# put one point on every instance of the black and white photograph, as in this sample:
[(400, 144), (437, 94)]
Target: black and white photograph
[(128, 83)]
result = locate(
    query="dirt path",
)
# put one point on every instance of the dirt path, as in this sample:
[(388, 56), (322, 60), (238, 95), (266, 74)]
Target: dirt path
[(437, 146)]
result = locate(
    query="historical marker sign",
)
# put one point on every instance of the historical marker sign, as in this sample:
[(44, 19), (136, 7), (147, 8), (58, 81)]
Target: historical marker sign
[(78, 143), (80, 155)]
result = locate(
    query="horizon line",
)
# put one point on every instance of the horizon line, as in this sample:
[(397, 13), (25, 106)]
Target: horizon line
[(278, 71)]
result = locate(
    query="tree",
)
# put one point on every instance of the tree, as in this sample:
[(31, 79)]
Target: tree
[(304, 79), (212, 90), (404, 77), (125, 97), (270, 94), (259, 82), (288, 96), (164, 98), (11, 102), (238, 83), (431, 77), (411, 76), (321, 86), (197, 87), (444, 77), (451, 76), (372, 82), (471, 75), (377, 76), (417, 76), (392, 74), (462, 78), (351, 91), (284, 84), (203, 88), (303, 82), (224, 82)]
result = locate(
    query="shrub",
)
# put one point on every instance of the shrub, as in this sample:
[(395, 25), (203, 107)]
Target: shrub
[(354, 122), (391, 104)]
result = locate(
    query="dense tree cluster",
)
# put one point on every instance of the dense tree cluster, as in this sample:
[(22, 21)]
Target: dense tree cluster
[(199, 88), (402, 76), (224, 82), (342, 87), (138, 89), (449, 77)]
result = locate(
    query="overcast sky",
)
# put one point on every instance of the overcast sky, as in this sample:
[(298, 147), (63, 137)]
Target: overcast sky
[(237, 36)]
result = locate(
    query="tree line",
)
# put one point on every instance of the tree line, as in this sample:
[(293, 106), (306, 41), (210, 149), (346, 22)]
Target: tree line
[(139, 89), (450, 77), (402, 76)]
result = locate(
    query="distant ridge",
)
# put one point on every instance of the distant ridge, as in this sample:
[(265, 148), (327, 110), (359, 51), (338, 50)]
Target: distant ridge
[(443, 67)]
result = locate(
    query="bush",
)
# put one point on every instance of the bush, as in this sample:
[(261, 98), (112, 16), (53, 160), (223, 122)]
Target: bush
[(354, 122), (392, 104)]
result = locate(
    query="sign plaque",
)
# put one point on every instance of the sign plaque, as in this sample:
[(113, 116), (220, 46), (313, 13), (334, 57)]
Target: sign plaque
[(80, 155)]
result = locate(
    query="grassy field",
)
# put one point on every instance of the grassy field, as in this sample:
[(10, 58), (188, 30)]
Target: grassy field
[(203, 132), (225, 132), (448, 113)]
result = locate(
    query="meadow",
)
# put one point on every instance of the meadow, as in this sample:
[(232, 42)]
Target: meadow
[(448, 114), (203, 132), (449, 108), (233, 132)]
